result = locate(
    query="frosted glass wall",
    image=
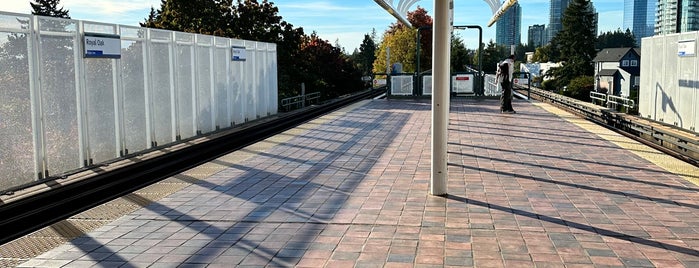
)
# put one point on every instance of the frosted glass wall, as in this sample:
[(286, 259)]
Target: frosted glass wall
[(61, 111), (17, 159), (133, 101), (669, 90)]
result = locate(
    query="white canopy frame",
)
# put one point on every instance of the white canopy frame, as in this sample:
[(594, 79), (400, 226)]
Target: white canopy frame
[(441, 54)]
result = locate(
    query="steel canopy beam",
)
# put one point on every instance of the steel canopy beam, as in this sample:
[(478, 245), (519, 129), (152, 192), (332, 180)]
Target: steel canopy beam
[(506, 5), (398, 14)]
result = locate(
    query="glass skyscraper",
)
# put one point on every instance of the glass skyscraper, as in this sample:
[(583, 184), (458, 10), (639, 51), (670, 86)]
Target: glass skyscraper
[(537, 35), (689, 21), (556, 10), (639, 18), (675, 16), (508, 28)]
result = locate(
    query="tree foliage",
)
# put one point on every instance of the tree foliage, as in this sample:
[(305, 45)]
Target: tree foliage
[(366, 55), (460, 55), (323, 59), (193, 16), (420, 18), (402, 42), (492, 54), (542, 54), (522, 49), (615, 39), (580, 87), (49, 8), (575, 43), (402, 50)]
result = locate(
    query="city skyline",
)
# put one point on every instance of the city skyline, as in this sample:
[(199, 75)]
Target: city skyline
[(337, 20), (639, 17), (504, 34)]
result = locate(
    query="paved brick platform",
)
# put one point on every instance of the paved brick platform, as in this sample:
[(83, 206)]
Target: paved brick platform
[(532, 189)]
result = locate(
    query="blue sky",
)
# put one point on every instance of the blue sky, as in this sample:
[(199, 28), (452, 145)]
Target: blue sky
[(343, 20)]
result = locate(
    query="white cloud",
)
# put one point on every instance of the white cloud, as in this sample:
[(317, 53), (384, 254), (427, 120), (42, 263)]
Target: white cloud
[(16, 6), (112, 11), (108, 7)]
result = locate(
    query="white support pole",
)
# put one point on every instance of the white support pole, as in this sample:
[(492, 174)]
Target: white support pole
[(441, 41)]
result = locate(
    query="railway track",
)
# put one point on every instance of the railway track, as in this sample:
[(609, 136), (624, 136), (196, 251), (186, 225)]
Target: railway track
[(55, 199), (671, 140)]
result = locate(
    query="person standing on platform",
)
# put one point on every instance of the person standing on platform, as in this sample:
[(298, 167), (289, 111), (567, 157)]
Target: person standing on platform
[(504, 76)]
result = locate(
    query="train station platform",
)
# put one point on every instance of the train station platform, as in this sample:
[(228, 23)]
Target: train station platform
[(540, 188)]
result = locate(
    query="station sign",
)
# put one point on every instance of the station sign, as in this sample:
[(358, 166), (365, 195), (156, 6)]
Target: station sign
[(102, 45), (238, 53), (686, 48), (379, 83), (462, 83)]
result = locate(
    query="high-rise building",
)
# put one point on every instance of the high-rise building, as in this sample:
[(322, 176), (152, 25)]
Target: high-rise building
[(536, 35), (675, 16), (593, 10), (639, 18), (508, 28), (556, 10)]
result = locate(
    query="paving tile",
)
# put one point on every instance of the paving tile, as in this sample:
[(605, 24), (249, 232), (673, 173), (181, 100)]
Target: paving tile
[(537, 189)]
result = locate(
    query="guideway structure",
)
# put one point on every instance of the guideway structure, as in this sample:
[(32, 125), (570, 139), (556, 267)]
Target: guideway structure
[(441, 53)]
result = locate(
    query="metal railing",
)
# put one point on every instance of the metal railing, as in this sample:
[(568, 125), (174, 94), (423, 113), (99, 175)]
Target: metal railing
[(617, 100), (491, 86), (596, 96), (611, 101), (300, 101), (680, 142), (517, 76)]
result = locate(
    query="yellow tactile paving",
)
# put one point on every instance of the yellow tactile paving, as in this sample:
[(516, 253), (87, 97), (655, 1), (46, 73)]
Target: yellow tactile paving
[(667, 162)]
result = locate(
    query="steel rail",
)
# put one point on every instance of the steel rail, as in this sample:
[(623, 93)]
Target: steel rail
[(669, 140)]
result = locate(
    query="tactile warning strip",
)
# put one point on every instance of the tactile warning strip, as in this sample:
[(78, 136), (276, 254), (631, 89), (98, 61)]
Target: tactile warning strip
[(667, 162), (34, 244)]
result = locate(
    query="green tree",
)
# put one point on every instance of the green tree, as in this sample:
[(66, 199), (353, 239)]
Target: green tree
[(403, 45), (576, 43), (460, 56), (615, 39), (492, 55), (48, 8), (542, 54), (366, 55), (522, 49), (327, 69), (580, 87), (420, 18), (402, 50), (193, 16)]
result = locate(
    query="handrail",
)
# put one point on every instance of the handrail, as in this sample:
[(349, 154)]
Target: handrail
[(300, 101), (529, 82), (598, 96), (626, 102)]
